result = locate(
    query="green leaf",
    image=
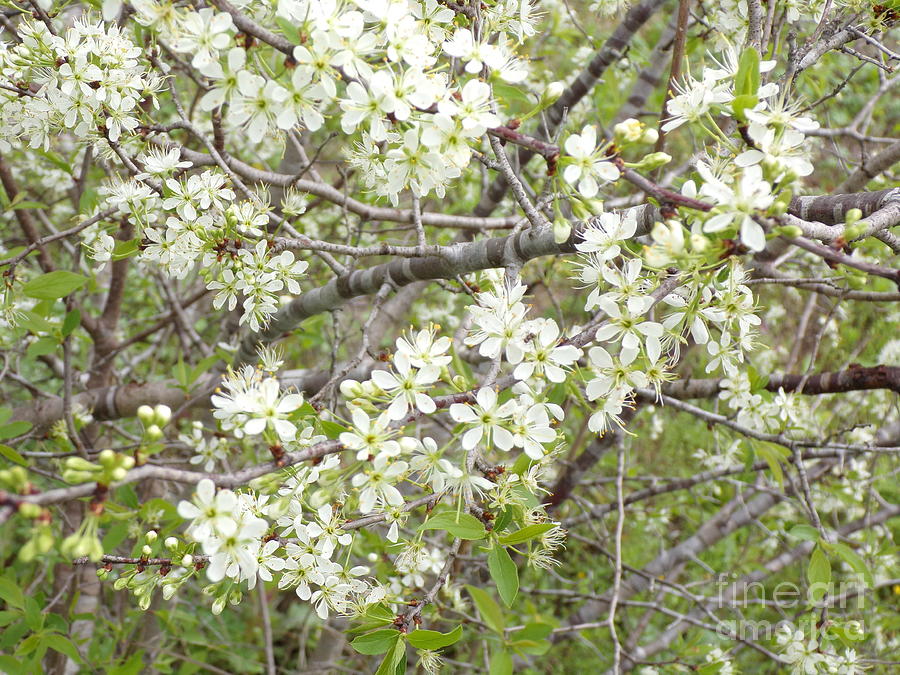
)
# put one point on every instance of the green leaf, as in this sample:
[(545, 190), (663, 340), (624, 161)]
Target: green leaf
[(819, 574), (12, 455), (746, 80), (531, 646), (534, 631), (807, 532), (391, 662), (526, 533), (504, 573), (377, 642), (741, 103), (10, 593), (501, 663), (432, 639), (853, 559), (490, 611), (510, 96), (14, 429), (773, 455), (10, 665), (460, 525), (71, 322), (331, 429), (125, 249), (504, 519), (133, 666), (42, 347), (54, 285), (33, 617), (63, 645)]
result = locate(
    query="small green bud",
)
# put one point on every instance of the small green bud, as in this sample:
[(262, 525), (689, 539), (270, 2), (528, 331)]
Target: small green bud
[(72, 476), (187, 560), (163, 414), (118, 473), (102, 573), (856, 230), (562, 229), (653, 161), (459, 383), (151, 536), (351, 389), (29, 510), (552, 93), (145, 414), (146, 550), (790, 231), (852, 216), (107, 459), (171, 543), (153, 433), (80, 464), (650, 136), (628, 131)]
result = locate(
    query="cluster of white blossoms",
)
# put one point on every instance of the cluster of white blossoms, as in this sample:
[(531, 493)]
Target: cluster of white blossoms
[(810, 655), (253, 404), (634, 350), (88, 81), (248, 535), (781, 412)]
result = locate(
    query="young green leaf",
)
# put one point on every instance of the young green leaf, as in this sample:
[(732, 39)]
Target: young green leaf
[(377, 642), (460, 525), (501, 663), (852, 558), (819, 574), (394, 659), (490, 611), (432, 639), (504, 573), (526, 533), (807, 532), (53, 285)]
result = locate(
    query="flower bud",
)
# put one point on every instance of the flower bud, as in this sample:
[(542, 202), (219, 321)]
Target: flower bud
[(81, 464), (153, 433), (790, 231), (163, 414), (118, 473), (552, 93), (562, 230), (629, 131), (145, 414), (29, 510), (856, 230), (71, 476), (852, 216), (151, 536), (653, 161), (171, 543), (408, 444), (187, 560), (106, 458), (146, 550), (351, 389), (650, 136)]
